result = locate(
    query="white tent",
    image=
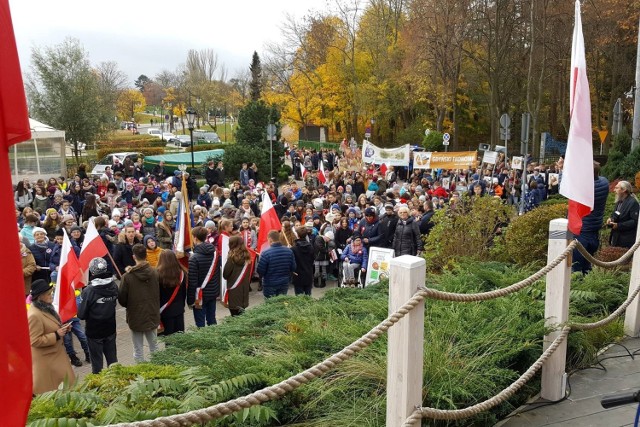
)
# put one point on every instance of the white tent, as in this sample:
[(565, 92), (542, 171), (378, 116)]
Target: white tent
[(43, 156)]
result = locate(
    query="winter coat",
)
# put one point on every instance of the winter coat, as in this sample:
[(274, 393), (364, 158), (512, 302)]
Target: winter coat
[(42, 256), (387, 228), (356, 258), (140, 294), (592, 223), (24, 200), (164, 237), (176, 308), (425, 223), (321, 248), (238, 297), (276, 265), (49, 361), (371, 231), (407, 239), (41, 203), (303, 254), (626, 216), (28, 267), (199, 264), (98, 308), (123, 255)]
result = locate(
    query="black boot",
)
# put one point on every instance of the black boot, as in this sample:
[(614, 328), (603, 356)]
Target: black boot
[(316, 282), (87, 357), (74, 360), (323, 282)]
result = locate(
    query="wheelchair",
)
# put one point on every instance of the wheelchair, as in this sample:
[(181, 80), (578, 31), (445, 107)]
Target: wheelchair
[(359, 277)]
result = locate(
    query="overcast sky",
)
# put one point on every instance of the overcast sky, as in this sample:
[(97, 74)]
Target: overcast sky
[(146, 37)]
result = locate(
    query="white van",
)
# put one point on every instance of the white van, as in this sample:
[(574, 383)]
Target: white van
[(107, 160), (154, 132)]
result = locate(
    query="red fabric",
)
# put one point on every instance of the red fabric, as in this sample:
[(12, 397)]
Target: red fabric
[(383, 169), (576, 212), (321, 176), (268, 221), (92, 247), (64, 298), (15, 357)]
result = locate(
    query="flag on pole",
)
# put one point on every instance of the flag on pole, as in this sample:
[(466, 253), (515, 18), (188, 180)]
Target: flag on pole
[(268, 221), (182, 238), (303, 171), (92, 247), (321, 176), (577, 175), (64, 299), (15, 357)]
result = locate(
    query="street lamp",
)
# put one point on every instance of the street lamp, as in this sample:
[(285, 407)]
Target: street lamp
[(191, 118)]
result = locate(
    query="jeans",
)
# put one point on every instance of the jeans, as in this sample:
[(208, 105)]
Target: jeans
[(273, 291), (591, 242), (207, 312), (99, 347), (138, 343), (76, 328)]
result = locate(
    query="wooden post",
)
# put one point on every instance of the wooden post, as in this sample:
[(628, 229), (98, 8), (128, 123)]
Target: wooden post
[(556, 311), (406, 341), (632, 315)]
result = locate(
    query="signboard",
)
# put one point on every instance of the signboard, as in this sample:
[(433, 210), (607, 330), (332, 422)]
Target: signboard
[(603, 135), (452, 160), (490, 157), (517, 162), (389, 156), (378, 266), (445, 139)]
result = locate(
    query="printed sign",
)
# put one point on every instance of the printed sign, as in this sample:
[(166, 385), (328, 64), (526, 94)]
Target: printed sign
[(490, 157), (378, 266), (450, 160), (517, 162), (389, 156)]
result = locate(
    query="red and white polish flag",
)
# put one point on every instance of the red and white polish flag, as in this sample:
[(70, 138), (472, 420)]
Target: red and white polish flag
[(577, 175), (64, 299), (268, 221), (321, 175), (303, 171), (92, 247)]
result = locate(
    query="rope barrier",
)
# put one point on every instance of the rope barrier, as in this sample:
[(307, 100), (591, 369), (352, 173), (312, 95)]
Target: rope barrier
[(483, 296), (277, 390), (457, 414), (273, 392), (607, 264)]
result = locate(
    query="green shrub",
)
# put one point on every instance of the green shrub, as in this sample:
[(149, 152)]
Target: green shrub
[(433, 141), (468, 230), (147, 151), (206, 147), (526, 238), (612, 170), (119, 137)]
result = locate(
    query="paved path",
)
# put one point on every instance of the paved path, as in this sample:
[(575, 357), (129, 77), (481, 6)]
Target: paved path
[(123, 339), (582, 408)]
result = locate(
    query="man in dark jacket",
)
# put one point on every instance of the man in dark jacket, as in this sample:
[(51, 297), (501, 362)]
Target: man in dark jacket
[(140, 295), (624, 219), (98, 310), (303, 254), (204, 279), (591, 224), (211, 174), (387, 225), (276, 266), (425, 222), (407, 239), (369, 229)]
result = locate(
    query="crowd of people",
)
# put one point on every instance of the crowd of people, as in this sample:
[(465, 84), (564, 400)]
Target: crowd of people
[(329, 223)]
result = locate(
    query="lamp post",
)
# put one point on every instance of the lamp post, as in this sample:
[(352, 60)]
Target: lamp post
[(191, 118)]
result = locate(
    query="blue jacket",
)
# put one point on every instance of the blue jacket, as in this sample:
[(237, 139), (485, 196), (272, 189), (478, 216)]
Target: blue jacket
[(276, 265), (592, 223), (359, 258)]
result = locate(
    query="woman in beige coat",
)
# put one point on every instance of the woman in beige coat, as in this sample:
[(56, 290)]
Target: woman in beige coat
[(50, 363), (28, 267)]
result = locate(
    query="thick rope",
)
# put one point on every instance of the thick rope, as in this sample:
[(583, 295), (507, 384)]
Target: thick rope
[(607, 264), (482, 296), (275, 391), (611, 317), (457, 414)]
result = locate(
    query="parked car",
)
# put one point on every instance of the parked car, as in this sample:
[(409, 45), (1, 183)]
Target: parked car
[(204, 137), (181, 140), (107, 160), (154, 132)]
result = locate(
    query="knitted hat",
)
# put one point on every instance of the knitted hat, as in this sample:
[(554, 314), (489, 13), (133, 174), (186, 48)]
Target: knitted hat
[(335, 206), (68, 217), (49, 211), (97, 266), (112, 223), (329, 234), (75, 228), (39, 230), (369, 212), (147, 238), (210, 224), (116, 212)]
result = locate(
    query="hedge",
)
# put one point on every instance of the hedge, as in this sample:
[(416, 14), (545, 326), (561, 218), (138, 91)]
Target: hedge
[(207, 147), (147, 151)]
